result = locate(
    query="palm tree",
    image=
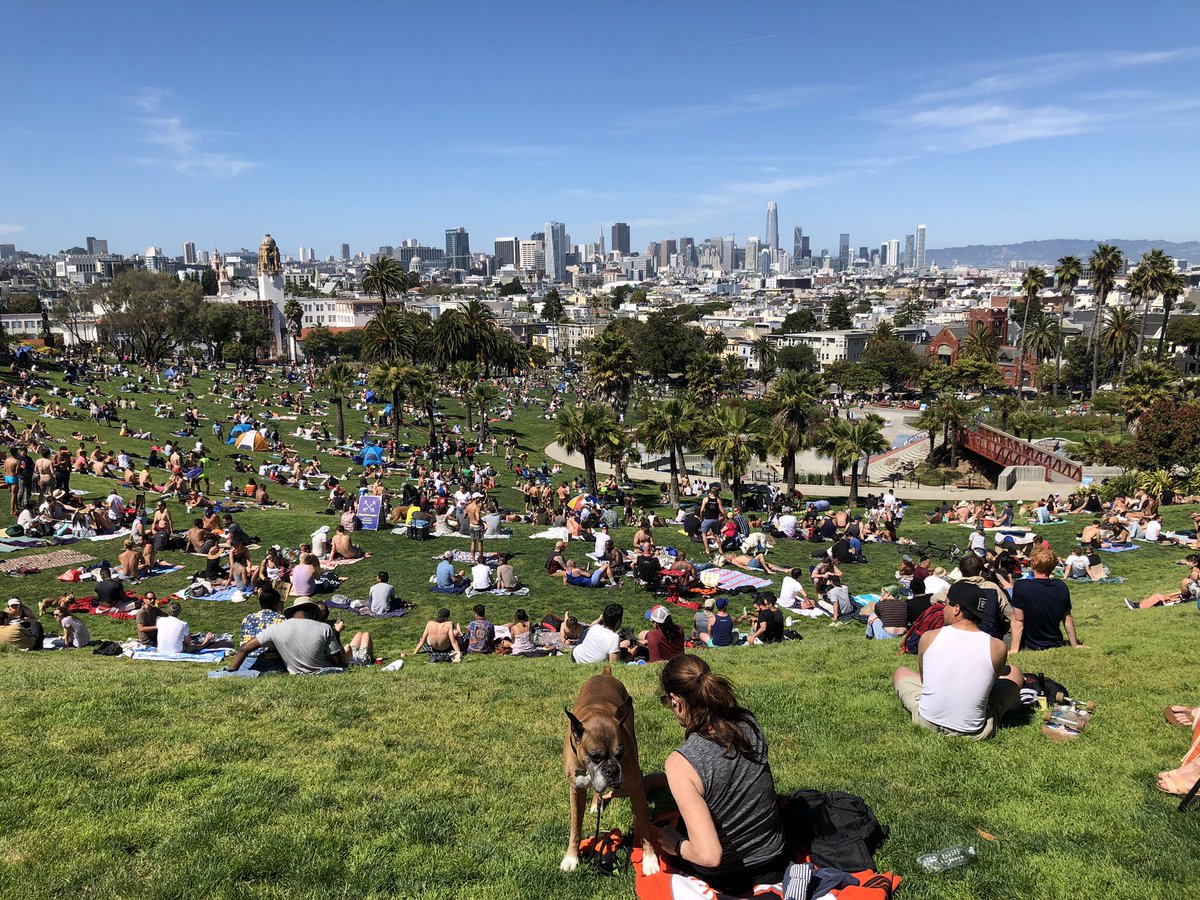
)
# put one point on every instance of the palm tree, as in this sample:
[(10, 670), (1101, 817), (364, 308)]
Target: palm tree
[(716, 342), (483, 395), (734, 436), (955, 414), (1147, 383), (1141, 287), (388, 338), (980, 342), (1025, 422), (338, 380), (1173, 285), (1045, 340), (704, 376), (586, 430), (1031, 285), (764, 353), (1118, 336), (384, 277), (794, 403), (1068, 271), (1106, 263), (391, 380), (929, 421), (860, 439), (825, 442), (1004, 407), (666, 428), (619, 451), (422, 391), (610, 364), (481, 331), (463, 375), (884, 333)]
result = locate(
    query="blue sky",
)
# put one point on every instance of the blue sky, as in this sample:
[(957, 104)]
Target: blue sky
[(374, 122)]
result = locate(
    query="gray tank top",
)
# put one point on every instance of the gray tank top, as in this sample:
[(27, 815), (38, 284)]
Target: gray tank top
[(740, 794)]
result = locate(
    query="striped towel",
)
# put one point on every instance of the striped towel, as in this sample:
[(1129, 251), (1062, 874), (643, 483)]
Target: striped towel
[(728, 580), (53, 560)]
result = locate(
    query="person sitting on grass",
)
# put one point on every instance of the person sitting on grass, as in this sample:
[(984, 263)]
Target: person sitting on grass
[(664, 639), (481, 634), (307, 645), (963, 686), (1040, 605), (577, 577), (506, 576), (75, 633), (889, 616), (15, 631), (1181, 780), (521, 632), (441, 639), (446, 579), (133, 562), (1189, 589), (836, 602), (719, 631), (341, 547), (601, 643), (768, 621), (270, 603), (175, 636)]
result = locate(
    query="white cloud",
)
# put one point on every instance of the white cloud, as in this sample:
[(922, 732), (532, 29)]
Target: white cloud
[(11, 229), (187, 149)]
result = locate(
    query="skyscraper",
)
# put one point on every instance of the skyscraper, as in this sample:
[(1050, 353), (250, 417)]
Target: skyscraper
[(533, 255), (863, 253), (620, 238), (458, 249), (893, 257), (556, 251), (753, 245), (345, 251), (797, 243), (883, 253), (909, 251), (189, 254), (772, 226), (920, 248), (508, 251), (666, 249), (97, 247), (687, 253), (844, 250)]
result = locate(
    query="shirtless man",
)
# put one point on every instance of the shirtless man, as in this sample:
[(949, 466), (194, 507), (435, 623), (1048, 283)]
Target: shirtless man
[(1090, 537), (199, 538), (474, 512), (11, 467), (440, 636), (341, 546)]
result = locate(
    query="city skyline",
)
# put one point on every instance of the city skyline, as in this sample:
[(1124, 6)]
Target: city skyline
[(999, 132)]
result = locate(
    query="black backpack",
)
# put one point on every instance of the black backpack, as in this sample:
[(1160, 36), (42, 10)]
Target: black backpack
[(838, 830)]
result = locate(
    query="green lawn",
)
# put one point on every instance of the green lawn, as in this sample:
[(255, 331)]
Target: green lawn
[(139, 779)]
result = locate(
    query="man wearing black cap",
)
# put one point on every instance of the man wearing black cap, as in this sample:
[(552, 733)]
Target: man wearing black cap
[(964, 686)]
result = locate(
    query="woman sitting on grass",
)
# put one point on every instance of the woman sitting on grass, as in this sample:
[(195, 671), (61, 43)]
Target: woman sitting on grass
[(1181, 780)]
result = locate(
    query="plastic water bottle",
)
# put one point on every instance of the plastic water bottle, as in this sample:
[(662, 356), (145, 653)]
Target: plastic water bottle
[(949, 858)]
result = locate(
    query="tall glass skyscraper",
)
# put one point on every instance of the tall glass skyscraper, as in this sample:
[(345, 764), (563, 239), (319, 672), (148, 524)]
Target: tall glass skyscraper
[(921, 248), (772, 226), (556, 251), (458, 249), (844, 250), (620, 238), (910, 254)]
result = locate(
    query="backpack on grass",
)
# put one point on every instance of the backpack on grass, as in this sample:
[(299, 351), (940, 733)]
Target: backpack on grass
[(930, 620)]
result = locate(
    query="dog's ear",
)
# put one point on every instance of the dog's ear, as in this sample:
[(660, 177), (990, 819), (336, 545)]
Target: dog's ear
[(623, 713), (576, 725)]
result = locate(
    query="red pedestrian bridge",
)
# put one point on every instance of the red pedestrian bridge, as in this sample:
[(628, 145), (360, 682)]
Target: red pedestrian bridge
[(1005, 449)]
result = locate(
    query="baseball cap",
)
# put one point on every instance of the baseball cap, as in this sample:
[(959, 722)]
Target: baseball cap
[(970, 598), (906, 558), (708, 603), (657, 614), (13, 601), (722, 602)]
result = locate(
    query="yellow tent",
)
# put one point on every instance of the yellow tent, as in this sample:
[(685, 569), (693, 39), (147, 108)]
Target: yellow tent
[(252, 440)]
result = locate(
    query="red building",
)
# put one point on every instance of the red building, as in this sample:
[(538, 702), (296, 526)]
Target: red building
[(944, 347)]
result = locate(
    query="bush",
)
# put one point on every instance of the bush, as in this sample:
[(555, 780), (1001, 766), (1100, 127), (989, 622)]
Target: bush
[(1127, 483)]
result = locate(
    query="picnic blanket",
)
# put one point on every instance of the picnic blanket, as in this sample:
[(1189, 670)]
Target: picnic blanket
[(864, 599), (211, 655), (121, 532), (222, 595), (88, 605), (486, 537), (499, 592), (333, 564), (552, 534), (465, 556), (54, 559), (728, 580), (1119, 548), (365, 609)]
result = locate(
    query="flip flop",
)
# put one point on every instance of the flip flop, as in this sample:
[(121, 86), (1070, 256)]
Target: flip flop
[(1176, 790), (1180, 715)]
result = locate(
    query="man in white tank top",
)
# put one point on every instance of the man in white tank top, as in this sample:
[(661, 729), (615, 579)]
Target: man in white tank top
[(962, 687)]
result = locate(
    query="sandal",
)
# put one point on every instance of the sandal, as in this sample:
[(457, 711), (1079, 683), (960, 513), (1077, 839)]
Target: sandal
[(1180, 715), (1168, 783)]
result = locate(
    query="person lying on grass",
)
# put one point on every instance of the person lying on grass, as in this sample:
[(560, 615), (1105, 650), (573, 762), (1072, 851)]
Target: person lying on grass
[(752, 563), (576, 577), (963, 686)]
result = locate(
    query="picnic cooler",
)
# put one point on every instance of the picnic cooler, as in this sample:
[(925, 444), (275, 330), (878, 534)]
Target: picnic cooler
[(418, 530)]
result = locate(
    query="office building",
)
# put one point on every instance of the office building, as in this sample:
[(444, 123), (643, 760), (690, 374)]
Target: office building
[(893, 255), (666, 250), (97, 247), (920, 248), (687, 253), (772, 226), (864, 253), (345, 252), (620, 238), (533, 255), (883, 253), (8, 251), (458, 249), (753, 245), (386, 250), (844, 251), (556, 251), (766, 256), (189, 254), (508, 252), (155, 261), (909, 251)]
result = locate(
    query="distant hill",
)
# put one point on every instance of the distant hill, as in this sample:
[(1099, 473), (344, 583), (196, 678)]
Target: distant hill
[(1047, 253)]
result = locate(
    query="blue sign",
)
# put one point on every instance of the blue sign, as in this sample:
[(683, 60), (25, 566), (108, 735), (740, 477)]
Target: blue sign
[(370, 507)]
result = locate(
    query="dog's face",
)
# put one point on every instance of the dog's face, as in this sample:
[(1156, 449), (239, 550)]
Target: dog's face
[(599, 746)]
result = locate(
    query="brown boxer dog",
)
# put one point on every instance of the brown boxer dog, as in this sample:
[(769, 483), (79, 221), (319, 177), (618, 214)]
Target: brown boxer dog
[(600, 751)]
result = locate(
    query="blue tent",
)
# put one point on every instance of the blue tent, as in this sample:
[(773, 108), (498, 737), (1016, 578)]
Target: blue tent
[(170, 373), (236, 431), (372, 455), (387, 410)]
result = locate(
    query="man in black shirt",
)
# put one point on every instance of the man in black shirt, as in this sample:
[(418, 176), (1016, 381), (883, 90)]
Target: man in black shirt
[(768, 621)]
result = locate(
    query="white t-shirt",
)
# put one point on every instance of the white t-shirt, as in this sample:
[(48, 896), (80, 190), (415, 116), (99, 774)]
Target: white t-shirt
[(171, 632), (320, 543), (596, 645), (1153, 528), (602, 542), (481, 577), (1076, 565), (977, 541), (935, 585), (787, 524), (790, 592), (889, 499)]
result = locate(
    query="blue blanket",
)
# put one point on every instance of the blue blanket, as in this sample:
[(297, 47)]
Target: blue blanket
[(213, 655), (366, 610)]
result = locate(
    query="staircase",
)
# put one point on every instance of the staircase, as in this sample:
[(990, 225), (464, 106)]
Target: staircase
[(896, 461)]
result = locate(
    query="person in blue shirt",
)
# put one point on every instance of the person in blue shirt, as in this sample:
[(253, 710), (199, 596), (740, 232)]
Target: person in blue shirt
[(577, 577), (447, 580)]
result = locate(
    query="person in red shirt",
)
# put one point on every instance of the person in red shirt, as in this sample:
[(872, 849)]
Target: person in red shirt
[(665, 639)]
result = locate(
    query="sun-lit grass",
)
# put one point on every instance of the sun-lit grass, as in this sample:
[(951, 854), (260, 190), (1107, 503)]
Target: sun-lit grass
[(137, 779)]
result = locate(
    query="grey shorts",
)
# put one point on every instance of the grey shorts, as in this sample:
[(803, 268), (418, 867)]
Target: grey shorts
[(477, 531)]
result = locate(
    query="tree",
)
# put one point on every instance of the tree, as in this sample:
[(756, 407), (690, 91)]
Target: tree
[(765, 354), (938, 378), (1025, 423), (338, 381), (463, 375), (215, 326), (794, 404), (854, 378), (1068, 272), (390, 380), (733, 373), (1106, 263), (704, 376), (1118, 336), (859, 440), (1173, 286), (798, 322), (732, 437), (389, 338), (1141, 287), (1185, 331), (798, 358), (826, 442), (552, 307), (1031, 285), (715, 342), (1004, 407), (1044, 339), (510, 288), (955, 414), (980, 342), (910, 312), (1146, 384), (975, 374), (150, 312), (209, 283), (610, 364), (319, 345), (422, 393), (896, 362), (884, 333), (293, 315), (386, 278), (930, 422), (483, 395), (1166, 437), (586, 430), (837, 316), (666, 428), (77, 309)]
